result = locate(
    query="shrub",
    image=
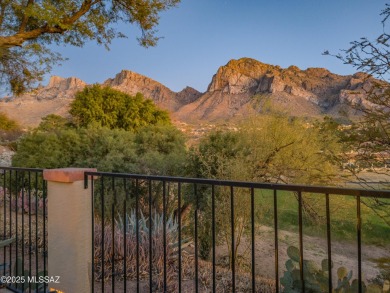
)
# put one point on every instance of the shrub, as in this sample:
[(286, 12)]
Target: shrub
[(111, 108), (117, 249)]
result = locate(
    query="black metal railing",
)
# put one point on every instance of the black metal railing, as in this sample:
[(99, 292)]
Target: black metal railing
[(23, 229), (170, 234)]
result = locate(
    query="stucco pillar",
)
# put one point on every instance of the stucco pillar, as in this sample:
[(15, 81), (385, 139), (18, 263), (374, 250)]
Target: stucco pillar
[(69, 229)]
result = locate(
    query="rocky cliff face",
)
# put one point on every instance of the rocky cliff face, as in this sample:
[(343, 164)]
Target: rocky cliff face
[(239, 88), (132, 83), (58, 88), (55, 98)]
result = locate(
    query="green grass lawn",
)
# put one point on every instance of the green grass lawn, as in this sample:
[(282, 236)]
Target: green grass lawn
[(343, 216)]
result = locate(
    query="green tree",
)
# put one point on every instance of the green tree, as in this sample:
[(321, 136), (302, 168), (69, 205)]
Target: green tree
[(28, 27), (53, 122), (7, 124), (269, 149), (111, 108), (369, 137), (109, 150), (266, 149), (10, 131), (46, 149), (161, 150), (368, 141)]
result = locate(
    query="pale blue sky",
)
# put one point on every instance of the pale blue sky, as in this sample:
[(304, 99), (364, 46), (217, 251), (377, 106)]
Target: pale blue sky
[(201, 35)]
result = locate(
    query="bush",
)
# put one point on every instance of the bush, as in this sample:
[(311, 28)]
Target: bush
[(7, 124), (110, 108), (10, 131), (266, 149), (155, 150)]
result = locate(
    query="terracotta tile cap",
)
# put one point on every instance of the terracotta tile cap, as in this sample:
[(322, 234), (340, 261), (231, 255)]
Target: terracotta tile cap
[(66, 175)]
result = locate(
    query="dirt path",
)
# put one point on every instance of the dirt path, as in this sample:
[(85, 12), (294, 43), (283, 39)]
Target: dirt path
[(315, 248)]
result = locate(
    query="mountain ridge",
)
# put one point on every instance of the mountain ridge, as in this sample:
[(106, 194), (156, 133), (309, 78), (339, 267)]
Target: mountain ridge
[(241, 87)]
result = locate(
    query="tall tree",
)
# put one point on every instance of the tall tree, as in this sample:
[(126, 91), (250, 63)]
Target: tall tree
[(369, 138), (266, 149), (28, 27), (114, 109)]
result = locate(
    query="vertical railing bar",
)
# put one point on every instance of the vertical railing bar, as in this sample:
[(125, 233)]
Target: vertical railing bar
[(329, 243), (36, 224), (93, 234), (301, 241), (45, 253), (5, 216), (213, 232), (165, 236), (233, 240), (253, 238), (23, 194), (196, 239), (137, 228), (102, 242), (16, 222), (179, 222), (113, 235), (29, 228), (276, 241), (359, 242), (150, 237), (125, 236), (10, 219)]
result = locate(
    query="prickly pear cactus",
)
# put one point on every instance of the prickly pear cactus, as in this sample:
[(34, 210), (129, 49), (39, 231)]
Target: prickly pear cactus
[(317, 278)]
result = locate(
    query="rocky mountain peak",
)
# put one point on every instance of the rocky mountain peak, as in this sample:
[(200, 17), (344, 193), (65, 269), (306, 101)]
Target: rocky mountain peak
[(239, 76), (132, 83), (65, 84), (188, 95), (318, 72), (238, 89)]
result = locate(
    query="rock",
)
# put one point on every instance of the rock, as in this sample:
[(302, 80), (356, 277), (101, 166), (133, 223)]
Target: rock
[(238, 89), (188, 95), (311, 92), (65, 84), (133, 83)]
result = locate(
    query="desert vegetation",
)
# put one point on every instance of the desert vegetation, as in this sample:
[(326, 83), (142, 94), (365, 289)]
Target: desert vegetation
[(116, 132), (273, 148)]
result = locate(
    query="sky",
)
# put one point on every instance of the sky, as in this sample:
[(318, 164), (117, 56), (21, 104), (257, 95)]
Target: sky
[(199, 36)]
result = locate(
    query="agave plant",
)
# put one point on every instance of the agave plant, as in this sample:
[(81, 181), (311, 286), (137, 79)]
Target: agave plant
[(124, 248)]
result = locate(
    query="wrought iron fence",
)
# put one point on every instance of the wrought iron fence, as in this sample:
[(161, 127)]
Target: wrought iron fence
[(170, 234), (23, 229)]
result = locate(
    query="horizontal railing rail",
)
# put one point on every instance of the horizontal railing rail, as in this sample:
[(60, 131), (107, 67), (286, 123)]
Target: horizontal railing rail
[(257, 185), (129, 252)]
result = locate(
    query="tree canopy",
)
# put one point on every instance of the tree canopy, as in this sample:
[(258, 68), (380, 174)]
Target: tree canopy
[(29, 27), (6, 123), (268, 149), (114, 109), (10, 130), (112, 150), (369, 138)]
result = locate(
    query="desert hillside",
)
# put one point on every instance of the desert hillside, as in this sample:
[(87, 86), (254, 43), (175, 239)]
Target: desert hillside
[(239, 88)]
